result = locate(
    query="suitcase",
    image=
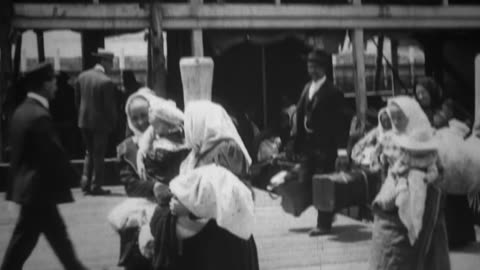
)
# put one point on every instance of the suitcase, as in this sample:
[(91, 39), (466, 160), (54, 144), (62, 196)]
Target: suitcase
[(296, 192), (336, 191), (296, 196)]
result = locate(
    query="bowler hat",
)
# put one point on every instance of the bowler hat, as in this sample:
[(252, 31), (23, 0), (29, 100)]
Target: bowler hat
[(104, 54), (319, 57), (39, 73)]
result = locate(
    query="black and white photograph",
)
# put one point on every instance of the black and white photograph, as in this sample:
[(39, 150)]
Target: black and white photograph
[(239, 134)]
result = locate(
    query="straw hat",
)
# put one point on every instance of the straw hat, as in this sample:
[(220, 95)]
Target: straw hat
[(421, 139)]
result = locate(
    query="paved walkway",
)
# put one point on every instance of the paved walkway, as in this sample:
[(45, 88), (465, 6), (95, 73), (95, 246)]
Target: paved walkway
[(283, 241)]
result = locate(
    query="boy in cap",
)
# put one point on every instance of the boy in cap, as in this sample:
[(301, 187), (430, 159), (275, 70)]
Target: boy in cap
[(40, 175), (95, 98)]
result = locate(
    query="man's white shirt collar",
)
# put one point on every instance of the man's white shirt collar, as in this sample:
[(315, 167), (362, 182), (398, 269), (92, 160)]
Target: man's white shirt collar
[(99, 68), (315, 86), (39, 98)]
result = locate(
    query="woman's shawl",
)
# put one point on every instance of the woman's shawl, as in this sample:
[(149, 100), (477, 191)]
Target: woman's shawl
[(213, 192), (206, 124)]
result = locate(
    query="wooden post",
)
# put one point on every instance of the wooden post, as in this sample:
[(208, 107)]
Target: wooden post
[(17, 56), (476, 125), (394, 51), (197, 34), (411, 62), (264, 87), (5, 77), (378, 66), (359, 60), (40, 46), (158, 71)]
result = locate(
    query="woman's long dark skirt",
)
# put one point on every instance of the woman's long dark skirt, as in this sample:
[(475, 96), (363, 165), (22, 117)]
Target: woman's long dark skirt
[(216, 249), (391, 249), (130, 256), (460, 221)]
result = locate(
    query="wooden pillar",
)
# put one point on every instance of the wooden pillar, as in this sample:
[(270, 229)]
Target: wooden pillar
[(197, 34), (17, 56), (264, 87), (395, 69), (40, 46), (379, 66), (360, 84), (5, 78), (476, 125), (158, 71)]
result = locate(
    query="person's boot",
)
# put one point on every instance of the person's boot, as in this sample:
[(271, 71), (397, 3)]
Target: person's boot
[(85, 185), (324, 224), (319, 231)]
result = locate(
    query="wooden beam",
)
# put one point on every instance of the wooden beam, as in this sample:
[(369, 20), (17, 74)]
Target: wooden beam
[(320, 16), (247, 16), (394, 67), (197, 34), (17, 56), (359, 62), (80, 16), (5, 77), (158, 70), (197, 42), (379, 61)]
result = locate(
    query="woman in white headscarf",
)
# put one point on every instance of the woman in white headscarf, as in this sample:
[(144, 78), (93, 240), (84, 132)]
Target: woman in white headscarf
[(212, 136), (409, 228), (156, 126)]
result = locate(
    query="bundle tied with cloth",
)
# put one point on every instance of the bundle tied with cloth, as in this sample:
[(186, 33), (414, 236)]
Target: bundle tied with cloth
[(213, 192), (412, 167), (135, 213), (460, 161)]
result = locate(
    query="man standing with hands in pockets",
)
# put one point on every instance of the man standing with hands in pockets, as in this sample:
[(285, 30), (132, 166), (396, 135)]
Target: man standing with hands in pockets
[(95, 98)]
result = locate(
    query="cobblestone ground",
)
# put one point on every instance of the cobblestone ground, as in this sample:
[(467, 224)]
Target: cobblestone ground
[(283, 241)]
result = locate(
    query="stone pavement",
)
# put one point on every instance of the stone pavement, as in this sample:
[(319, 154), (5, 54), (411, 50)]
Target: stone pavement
[(282, 241)]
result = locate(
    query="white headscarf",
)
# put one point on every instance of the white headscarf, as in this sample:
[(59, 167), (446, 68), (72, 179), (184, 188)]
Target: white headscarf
[(207, 123), (414, 113), (213, 192), (145, 93)]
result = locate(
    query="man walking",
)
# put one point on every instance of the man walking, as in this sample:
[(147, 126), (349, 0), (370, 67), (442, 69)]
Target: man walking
[(40, 175), (95, 98), (318, 127)]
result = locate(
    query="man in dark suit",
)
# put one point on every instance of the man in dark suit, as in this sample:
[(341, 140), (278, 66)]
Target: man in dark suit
[(40, 175), (95, 98), (318, 128)]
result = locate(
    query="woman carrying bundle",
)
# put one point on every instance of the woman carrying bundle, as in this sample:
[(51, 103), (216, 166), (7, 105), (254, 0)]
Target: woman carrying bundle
[(202, 242), (152, 120), (409, 226)]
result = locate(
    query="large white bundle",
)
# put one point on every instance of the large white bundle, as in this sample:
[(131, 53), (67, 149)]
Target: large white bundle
[(212, 192), (132, 212), (460, 160)]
